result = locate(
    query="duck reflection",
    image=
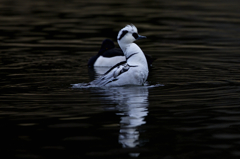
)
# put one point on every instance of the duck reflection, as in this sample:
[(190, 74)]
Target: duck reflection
[(132, 103)]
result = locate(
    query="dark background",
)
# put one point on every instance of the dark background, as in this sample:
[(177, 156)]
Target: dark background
[(45, 46)]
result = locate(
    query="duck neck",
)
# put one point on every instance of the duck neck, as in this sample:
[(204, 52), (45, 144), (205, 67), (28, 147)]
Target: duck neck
[(124, 47), (133, 54)]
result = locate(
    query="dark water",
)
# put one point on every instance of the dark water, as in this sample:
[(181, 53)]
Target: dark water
[(45, 46)]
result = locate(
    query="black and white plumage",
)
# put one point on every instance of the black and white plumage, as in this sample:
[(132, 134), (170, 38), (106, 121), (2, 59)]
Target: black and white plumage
[(132, 72), (109, 55)]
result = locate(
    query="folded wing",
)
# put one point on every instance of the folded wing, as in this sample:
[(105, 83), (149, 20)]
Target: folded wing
[(111, 75)]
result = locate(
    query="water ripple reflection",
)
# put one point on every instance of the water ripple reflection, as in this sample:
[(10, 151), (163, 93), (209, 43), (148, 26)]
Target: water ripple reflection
[(132, 105)]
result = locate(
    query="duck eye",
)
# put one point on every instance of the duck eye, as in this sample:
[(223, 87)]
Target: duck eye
[(135, 35)]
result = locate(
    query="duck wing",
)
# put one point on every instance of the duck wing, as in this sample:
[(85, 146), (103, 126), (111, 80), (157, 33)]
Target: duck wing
[(112, 74)]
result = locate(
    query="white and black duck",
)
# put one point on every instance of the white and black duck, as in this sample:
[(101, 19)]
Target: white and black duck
[(133, 71)]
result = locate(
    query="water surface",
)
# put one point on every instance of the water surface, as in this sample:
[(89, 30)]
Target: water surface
[(45, 46)]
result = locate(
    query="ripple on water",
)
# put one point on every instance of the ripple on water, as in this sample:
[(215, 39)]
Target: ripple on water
[(45, 46), (87, 85)]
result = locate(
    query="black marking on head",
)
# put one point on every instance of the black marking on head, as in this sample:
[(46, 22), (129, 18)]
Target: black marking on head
[(135, 35), (131, 55), (124, 32)]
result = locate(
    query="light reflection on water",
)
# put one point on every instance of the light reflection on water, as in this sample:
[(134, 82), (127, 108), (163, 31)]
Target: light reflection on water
[(132, 104)]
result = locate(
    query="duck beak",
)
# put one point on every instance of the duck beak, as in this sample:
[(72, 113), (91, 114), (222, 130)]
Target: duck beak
[(141, 37)]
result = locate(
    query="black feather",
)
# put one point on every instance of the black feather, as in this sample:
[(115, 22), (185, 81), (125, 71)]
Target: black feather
[(124, 32)]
